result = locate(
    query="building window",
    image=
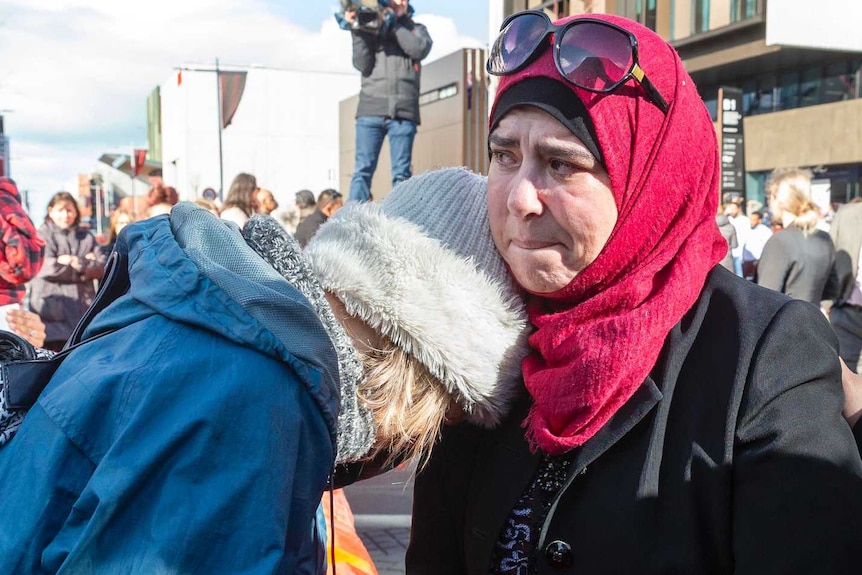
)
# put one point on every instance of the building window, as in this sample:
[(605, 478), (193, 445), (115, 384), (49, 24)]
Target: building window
[(448, 91), (788, 91), (554, 9), (630, 9), (797, 88), (643, 11), (700, 16), (649, 15), (712, 107), (749, 93), (512, 6), (764, 101), (839, 82), (743, 10), (812, 81)]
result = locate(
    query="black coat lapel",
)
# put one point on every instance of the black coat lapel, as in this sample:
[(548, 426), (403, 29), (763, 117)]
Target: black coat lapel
[(500, 479)]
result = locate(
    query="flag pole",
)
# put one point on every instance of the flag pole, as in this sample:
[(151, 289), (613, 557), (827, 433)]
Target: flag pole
[(132, 175), (219, 115)]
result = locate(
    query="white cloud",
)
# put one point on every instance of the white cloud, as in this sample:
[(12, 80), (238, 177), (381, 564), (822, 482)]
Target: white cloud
[(76, 73)]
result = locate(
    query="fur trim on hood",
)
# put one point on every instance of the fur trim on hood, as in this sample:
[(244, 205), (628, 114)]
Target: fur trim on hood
[(421, 268)]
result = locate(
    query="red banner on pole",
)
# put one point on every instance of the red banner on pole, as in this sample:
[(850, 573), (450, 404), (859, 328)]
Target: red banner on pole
[(138, 159), (232, 85)]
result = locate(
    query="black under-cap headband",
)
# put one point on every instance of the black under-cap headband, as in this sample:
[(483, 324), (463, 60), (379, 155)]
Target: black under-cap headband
[(556, 99)]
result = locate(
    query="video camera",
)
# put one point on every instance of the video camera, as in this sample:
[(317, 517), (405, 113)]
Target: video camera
[(369, 14)]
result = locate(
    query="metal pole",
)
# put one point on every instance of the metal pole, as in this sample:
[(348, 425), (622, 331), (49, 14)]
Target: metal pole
[(220, 157), (99, 209), (134, 192)]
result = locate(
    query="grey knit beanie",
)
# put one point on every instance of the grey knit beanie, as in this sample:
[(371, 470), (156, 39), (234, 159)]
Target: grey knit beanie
[(421, 268)]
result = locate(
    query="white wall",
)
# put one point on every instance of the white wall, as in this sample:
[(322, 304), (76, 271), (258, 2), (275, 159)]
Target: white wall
[(825, 24), (285, 131)]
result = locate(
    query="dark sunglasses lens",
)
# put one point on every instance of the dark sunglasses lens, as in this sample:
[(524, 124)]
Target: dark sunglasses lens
[(594, 56), (516, 43)]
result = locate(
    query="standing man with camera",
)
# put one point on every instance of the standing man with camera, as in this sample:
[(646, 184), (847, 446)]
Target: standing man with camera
[(387, 49)]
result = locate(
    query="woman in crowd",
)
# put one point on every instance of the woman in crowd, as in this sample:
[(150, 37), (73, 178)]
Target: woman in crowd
[(239, 205), (161, 199), (797, 262), (64, 287), (209, 206), (198, 436), (119, 220), (676, 418)]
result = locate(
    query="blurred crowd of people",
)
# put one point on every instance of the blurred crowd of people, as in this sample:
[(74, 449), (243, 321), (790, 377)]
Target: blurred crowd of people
[(49, 275), (797, 248)]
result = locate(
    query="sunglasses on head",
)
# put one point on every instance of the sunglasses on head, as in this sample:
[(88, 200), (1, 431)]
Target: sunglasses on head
[(591, 54)]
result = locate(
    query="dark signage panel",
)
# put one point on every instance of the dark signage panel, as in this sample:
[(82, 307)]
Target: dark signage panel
[(731, 141)]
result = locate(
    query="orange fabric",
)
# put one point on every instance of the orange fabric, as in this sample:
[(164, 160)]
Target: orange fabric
[(351, 556)]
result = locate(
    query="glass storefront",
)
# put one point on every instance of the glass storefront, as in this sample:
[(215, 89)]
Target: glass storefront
[(795, 88), (843, 182)]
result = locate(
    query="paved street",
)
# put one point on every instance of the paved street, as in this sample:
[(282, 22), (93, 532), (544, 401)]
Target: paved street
[(381, 507)]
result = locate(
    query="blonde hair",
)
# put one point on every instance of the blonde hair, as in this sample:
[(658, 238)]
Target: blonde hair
[(207, 205), (408, 404), (790, 189)]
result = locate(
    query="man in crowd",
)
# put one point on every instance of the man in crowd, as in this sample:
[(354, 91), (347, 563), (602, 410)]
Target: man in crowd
[(743, 226), (328, 202), (388, 55), (265, 202), (757, 238), (291, 216), (846, 314), (305, 204)]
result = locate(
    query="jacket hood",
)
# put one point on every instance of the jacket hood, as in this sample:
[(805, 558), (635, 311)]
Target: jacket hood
[(195, 269), (271, 241)]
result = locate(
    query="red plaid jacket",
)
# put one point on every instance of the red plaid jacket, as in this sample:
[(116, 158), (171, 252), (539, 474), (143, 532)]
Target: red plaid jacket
[(22, 249)]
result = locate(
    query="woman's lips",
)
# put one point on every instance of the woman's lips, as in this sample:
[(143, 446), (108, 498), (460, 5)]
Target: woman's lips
[(531, 244)]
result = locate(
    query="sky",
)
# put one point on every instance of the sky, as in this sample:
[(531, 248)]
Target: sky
[(75, 74)]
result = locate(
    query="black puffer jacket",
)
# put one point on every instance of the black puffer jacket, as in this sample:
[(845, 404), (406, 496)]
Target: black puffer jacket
[(391, 70)]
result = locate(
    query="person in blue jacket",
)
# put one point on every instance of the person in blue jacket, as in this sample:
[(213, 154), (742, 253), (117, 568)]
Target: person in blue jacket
[(198, 435)]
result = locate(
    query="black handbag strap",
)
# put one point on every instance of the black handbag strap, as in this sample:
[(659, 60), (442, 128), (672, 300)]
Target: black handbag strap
[(25, 380)]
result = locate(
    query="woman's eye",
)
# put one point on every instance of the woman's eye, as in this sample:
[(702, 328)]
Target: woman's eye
[(560, 166), (501, 157)]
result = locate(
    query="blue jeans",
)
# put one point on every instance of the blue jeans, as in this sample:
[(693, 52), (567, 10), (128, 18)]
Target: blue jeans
[(370, 131), (737, 265)]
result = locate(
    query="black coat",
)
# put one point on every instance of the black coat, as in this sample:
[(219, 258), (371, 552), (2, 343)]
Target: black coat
[(733, 457)]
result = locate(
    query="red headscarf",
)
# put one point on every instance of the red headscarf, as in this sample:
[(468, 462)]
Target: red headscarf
[(598, 338)]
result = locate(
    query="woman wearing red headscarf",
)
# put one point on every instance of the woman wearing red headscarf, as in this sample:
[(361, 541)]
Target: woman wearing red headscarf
[(676, 419)]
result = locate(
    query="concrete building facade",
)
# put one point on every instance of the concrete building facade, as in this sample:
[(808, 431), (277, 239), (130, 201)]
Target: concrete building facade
[(798, 65)]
